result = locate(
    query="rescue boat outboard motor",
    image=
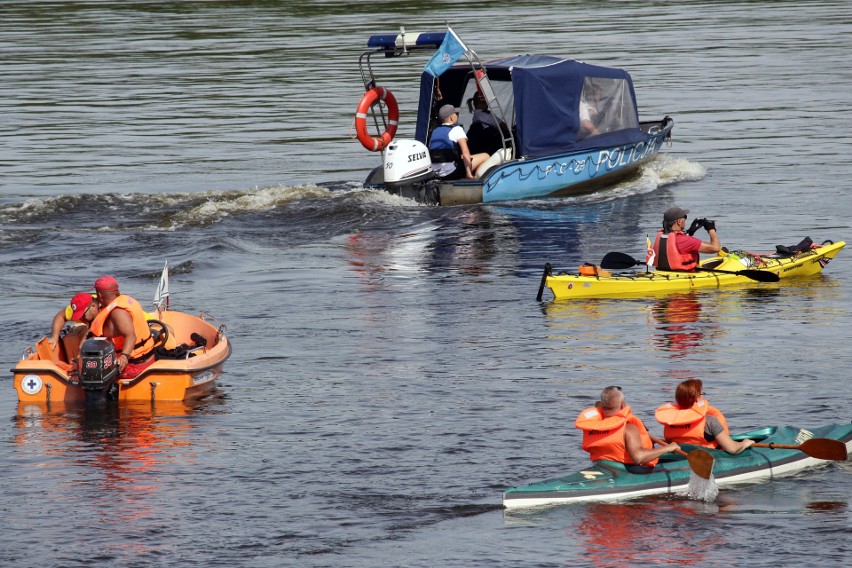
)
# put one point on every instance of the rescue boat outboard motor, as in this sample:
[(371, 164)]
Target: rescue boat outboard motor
[(406, 162), (98, 369)]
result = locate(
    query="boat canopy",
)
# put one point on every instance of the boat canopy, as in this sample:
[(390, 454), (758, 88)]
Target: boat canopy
[(543, 98)]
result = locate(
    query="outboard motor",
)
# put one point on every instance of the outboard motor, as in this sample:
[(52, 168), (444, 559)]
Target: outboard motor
[(98, 369), (406, 162)]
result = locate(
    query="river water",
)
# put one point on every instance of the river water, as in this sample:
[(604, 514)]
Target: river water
[(392, 372)]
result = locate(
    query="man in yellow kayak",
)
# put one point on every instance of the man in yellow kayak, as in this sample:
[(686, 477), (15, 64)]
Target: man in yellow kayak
[(675, 249)]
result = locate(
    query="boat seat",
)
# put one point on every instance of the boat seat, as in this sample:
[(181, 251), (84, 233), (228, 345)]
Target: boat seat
[(47, 353), (71, 343), (483, 137), (497, 158)]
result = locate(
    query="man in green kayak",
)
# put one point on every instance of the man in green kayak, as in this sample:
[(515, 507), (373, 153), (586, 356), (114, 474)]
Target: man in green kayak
[(612, 432), (675, 249)]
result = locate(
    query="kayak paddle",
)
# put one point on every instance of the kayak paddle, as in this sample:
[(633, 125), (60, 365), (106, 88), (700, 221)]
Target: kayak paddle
[(547, 271), (757, 275), (700, 461), (819, 448), (621, 261)]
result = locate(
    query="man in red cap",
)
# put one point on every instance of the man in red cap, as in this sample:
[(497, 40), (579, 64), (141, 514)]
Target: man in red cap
[(122, 320), (105, 283), (82, 310)]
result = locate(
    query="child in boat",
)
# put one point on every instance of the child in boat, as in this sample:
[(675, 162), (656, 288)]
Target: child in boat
[(451, 157)]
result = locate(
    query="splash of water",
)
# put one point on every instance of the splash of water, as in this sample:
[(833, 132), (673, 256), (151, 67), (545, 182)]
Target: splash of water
[(701, 489)]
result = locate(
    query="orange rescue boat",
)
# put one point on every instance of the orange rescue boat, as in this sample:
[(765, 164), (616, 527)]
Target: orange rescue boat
[(190, 354)]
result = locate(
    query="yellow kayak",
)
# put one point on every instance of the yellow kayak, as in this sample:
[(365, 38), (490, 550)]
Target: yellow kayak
[(724, 270)]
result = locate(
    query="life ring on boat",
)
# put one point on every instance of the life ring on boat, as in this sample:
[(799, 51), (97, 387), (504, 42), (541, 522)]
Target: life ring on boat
[(371, 97)]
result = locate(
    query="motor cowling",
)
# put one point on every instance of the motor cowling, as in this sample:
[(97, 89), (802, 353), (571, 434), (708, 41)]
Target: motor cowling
[(406, 162), (98, 368)]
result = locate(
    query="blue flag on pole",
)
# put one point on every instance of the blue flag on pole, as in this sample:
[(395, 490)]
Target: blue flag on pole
[(452, 48)]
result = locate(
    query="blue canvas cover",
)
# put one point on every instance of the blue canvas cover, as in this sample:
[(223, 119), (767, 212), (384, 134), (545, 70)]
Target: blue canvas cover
[(542, 99)]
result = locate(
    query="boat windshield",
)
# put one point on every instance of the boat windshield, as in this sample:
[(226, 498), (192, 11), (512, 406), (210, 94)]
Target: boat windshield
[(607, 104), (505, 97)]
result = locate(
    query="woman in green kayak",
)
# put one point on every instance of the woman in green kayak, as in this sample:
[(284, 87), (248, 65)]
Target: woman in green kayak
[(691, 420)]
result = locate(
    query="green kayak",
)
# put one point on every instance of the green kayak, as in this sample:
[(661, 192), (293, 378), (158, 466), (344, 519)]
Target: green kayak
[(610, 481)]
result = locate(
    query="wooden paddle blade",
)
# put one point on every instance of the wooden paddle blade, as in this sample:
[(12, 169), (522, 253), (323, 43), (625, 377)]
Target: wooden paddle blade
[(701, 462), (819, 448), (618, 261), (760, 275), (825, 449)]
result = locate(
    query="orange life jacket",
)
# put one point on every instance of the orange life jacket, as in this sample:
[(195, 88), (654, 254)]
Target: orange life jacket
[(603, 437), (667, 257), (686, 425), (144, 341)]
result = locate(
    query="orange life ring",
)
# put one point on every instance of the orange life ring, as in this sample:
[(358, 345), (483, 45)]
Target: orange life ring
[(371, 97)]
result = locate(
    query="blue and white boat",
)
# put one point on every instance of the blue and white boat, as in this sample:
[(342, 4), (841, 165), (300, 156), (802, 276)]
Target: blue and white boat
[(545, 151)]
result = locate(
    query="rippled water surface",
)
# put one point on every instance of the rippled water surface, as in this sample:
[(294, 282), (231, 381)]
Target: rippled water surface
[(392, 372)]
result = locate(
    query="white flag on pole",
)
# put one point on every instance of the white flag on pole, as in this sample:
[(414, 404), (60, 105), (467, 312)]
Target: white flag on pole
[(162, 294)]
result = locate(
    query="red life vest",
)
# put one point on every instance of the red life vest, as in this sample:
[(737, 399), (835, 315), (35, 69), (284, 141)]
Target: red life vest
[(667, 257), (686, 425), (603, 437), (144, 341)]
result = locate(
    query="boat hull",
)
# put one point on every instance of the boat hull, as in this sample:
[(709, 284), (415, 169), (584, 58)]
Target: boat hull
[(560, 175), (610, 481), (570, 286), (570, 174), (44, 377)]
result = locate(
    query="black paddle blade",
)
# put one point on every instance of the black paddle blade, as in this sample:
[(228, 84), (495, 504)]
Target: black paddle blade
[(757, 275), (547, 271), (760, 275), (618, 261)]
